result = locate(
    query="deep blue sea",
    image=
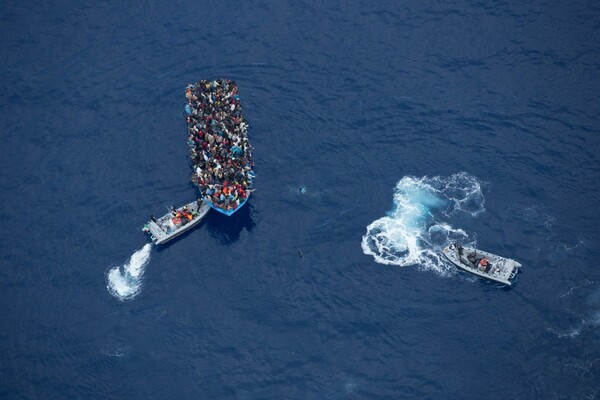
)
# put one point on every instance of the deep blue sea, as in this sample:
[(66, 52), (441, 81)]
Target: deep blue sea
[(382, 131)]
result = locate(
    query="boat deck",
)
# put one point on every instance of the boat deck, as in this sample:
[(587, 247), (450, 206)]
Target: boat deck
[(500, 269), (168, 227)]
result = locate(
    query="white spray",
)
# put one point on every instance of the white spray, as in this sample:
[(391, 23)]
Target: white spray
[(414, 230), (125, 282)]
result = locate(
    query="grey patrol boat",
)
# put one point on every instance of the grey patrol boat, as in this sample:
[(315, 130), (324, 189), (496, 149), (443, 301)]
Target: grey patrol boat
[(482, 263), (176, 221)]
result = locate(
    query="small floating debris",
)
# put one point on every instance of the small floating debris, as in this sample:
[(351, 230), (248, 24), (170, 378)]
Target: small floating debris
[(220, 151)]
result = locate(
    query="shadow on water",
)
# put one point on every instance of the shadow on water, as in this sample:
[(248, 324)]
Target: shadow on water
[(226, 230)]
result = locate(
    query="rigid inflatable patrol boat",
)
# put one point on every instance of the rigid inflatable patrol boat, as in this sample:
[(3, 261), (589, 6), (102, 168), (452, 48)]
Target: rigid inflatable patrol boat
[(482, 263), (176, 221)]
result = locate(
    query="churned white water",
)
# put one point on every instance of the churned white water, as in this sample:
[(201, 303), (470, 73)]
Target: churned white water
[(418, 227), (125, 281)]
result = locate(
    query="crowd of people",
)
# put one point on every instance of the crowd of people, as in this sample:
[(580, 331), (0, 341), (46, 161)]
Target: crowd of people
[(182, 216), (220, 152)]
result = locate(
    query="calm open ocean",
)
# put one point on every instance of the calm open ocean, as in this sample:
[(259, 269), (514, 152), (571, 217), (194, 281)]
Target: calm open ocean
[(383, 130)]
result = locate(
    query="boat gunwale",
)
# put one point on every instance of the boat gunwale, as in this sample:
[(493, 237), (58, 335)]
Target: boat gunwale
[(202, 211), (449, 254)]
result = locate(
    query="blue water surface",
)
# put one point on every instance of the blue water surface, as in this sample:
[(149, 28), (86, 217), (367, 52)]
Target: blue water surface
[(280, 301)]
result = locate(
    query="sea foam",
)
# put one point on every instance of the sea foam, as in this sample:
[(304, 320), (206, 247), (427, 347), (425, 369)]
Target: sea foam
[(125, 281), (418, 225)]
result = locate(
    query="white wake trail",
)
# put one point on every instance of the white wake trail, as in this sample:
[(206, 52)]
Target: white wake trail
[(415, 230), (125, 281)]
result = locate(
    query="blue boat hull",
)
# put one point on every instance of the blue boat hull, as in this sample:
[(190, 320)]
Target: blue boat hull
[(230, 212)]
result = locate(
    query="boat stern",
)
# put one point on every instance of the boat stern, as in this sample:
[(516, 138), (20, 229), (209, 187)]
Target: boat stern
[(156, 233)]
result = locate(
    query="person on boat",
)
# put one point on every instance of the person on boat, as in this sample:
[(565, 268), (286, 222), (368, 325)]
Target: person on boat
[(484, 265), (217, 137), (472, 257)]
